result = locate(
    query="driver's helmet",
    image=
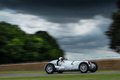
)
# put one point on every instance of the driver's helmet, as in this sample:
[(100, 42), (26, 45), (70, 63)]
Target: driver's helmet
[(60, 58)]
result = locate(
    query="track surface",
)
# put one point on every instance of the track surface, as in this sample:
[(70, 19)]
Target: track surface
[(18, 75)]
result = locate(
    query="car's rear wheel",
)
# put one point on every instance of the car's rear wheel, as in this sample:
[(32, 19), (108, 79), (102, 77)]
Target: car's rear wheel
[(94, 67), (49, 68), (83, 67)]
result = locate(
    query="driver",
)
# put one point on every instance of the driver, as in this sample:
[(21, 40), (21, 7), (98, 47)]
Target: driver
[(60, 61)]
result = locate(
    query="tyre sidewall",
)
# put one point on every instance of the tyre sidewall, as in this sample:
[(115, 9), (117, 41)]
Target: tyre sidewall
[(52, 69), (94, 70), (86, 66)]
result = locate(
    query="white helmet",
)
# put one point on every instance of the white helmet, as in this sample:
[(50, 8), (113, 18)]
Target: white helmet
[(60, 58)]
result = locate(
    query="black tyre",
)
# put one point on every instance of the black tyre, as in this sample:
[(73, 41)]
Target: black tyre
[(60, 72), (83, 67), (49, 68), (94, 68)]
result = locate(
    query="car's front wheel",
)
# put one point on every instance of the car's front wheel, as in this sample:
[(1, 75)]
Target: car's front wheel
[(49, 68), (94, 67), (83, 67)]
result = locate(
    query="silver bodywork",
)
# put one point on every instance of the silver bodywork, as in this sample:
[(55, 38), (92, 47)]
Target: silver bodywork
[(71, 65)]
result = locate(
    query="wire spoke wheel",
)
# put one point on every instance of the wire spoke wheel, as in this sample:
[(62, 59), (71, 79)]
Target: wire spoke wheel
[(83, 67), (49, 68)]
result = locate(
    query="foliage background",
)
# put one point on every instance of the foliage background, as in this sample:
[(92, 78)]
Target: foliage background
[(17, 46)]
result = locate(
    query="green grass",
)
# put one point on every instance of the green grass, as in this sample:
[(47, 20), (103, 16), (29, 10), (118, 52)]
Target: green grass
[(68, 77), (21, 72), (41, 72)]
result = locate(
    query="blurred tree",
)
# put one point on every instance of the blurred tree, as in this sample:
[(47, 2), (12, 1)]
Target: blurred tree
[(50, 46), (17, 46), (114, 30), (10, 42)]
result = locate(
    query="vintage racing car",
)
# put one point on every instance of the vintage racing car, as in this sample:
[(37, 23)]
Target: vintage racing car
[(82, 66)]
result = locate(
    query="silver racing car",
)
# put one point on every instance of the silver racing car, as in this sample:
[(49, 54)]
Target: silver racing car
[(61, 65)]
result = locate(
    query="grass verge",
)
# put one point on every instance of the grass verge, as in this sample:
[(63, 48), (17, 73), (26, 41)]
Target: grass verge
[(21, 72), (68, 77), (42, 72)]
